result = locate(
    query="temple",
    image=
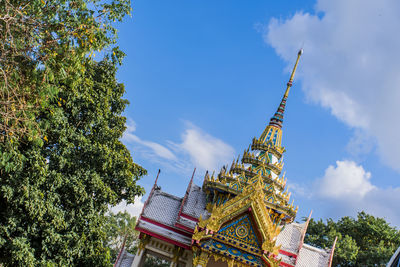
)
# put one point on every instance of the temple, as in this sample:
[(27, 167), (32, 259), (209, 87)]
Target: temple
[(241, 217)]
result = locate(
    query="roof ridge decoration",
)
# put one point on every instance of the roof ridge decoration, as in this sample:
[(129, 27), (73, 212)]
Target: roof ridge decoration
[(250, 200), (187, 193), (155, 187)]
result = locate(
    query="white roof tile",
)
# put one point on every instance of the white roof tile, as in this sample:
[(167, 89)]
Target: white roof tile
[(125, 259), (163, 208), (195, 203), (312, 256), (290, 237), (165, 232), (187, 222)]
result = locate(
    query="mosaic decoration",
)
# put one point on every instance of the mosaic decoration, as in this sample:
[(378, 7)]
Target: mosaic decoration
[(241, 230), (233, 252)]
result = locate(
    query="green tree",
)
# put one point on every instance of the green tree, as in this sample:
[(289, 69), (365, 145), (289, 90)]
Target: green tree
[(61, 160), (43, 42), (120, 227), (365, 241), (55, 192)]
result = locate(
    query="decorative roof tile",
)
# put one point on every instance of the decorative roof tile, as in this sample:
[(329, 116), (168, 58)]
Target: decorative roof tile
[(312, 256), (290, 237), (195, 203), (167, 233), (125, 259), (162, 207), (288, 259), (186, 222)]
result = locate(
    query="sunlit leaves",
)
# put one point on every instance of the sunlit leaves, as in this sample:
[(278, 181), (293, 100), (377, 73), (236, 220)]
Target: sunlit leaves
[(43, 40), (365, 241)]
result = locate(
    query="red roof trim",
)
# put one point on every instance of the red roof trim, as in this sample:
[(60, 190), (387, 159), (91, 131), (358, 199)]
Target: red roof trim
[(120, 251), (287, 253), (189, 217), (183, 227), (150, 195), (186, 193), (332, 251), (285, 264), (163, 238), (165, 226)]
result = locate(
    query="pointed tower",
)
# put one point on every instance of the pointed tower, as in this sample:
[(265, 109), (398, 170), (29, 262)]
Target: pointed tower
[(249, 202)]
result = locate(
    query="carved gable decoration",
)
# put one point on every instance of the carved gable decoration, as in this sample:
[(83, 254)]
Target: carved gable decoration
[(230, 224), (240, 231)]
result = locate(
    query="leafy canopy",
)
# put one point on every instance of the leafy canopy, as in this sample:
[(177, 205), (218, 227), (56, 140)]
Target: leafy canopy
[(365, 241), (120, 229), (55, 193), (61, 160), (43, 42)]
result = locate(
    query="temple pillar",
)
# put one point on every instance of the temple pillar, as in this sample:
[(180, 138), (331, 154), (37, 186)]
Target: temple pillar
[(201, 260), (177, 252)]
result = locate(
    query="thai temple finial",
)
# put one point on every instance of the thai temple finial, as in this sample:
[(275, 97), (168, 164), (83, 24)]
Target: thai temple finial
[(273, 132), (155, 182), (277, 119)]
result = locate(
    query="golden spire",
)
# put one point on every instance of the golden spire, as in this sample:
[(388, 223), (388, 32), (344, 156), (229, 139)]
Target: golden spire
[(289, 84), (277, 119), (273, 131)]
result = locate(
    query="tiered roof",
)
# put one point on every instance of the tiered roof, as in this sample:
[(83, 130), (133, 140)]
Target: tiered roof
[(264, 158), (160, 219)]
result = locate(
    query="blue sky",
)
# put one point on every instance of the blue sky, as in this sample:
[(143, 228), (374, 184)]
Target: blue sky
[(204, 77)]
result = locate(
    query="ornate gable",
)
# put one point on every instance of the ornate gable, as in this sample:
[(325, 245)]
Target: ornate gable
[(242, 231), (230, 230)]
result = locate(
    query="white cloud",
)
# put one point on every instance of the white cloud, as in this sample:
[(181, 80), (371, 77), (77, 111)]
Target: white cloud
[(205, 151), (360, 144), (347, 179), (133, 209), (346, 189), (351, 64), (156, 148), (195, 149)]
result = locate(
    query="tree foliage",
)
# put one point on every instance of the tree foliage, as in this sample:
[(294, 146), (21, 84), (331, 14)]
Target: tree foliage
[(120, 228), (55, 191), (365, 241), (61, 159), (43, 42)]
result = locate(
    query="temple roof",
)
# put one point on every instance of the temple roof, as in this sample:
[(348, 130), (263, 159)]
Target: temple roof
[(290, 237), (163, 213), (195, 203), (162, 207), (159, 216), (395, 259), (172, 218), (312, 256), (125, 259)]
